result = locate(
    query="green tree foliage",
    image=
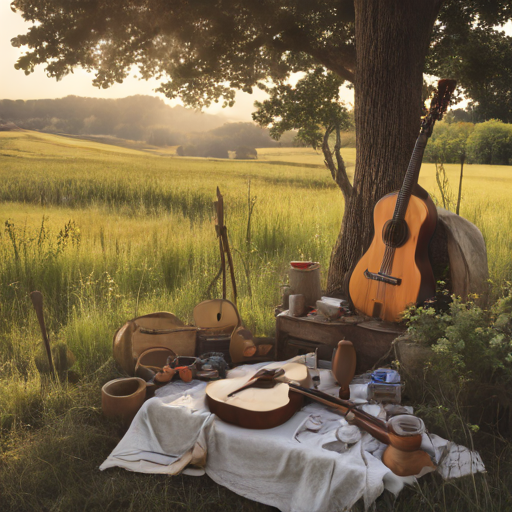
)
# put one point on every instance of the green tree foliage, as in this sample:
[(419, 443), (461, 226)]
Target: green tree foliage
[(203, 44), (448, 142), (243, 134), (208, 148), (484, 143), (163, 137), (491, 143), (311, 107), (460, 115), (246, 153), (208, 49), (467, 45)]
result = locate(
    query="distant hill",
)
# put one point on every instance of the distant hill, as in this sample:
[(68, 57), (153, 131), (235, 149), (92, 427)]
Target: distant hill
[(132, 118), (143, 119)]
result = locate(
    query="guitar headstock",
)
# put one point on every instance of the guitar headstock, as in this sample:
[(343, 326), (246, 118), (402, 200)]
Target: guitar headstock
[(438, 105)]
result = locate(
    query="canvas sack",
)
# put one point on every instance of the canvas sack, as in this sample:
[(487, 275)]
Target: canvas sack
[(160, 329)]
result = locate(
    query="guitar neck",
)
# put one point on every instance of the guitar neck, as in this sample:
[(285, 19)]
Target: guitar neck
[(438, 107), (411, 177)]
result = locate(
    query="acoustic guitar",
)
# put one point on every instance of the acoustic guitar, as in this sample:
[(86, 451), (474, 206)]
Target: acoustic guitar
[(395, 271), (258, 401)]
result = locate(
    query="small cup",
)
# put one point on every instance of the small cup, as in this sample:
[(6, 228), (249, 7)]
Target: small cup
[(297, 305)]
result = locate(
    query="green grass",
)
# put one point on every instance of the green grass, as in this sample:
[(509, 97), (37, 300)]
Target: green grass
[(108, 233)]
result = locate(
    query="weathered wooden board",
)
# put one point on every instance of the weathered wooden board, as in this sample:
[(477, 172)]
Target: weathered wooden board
[(299, 335)]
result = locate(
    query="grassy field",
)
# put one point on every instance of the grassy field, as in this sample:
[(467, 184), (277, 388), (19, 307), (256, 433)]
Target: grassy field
[(108, 233)]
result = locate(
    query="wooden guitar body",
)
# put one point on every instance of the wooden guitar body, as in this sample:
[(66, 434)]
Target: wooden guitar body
[(409, 262), (251, 407)]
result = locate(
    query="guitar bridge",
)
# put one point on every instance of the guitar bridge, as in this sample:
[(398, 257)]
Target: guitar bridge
[(383, 278)]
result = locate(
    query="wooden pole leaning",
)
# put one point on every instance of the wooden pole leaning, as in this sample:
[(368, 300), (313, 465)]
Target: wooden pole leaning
[(37, 301), (225, 251)]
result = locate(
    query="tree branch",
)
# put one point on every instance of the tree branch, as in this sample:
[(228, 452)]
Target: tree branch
[(341, 59), (343, 66), (338, 170)]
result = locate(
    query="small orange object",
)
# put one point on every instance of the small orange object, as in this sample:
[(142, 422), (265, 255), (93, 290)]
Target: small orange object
[(185, 373), (163, 377)]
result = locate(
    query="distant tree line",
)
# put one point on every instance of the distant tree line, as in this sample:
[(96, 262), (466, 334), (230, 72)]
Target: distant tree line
[(483, 143), (140, 118), (237, 140), (134, 117)]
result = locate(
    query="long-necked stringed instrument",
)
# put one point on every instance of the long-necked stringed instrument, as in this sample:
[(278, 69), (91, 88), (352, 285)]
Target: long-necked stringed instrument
[(395, 271), (261, 402)]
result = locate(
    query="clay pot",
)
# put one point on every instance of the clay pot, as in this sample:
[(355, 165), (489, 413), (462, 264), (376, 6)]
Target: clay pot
[(406, 463), (413, 357), (405, 432), (404, 456), (405, 443), (344, 367), (241, 345), (122, 398)]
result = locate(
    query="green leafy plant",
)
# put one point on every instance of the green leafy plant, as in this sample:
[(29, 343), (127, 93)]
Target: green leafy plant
[(471, 362)]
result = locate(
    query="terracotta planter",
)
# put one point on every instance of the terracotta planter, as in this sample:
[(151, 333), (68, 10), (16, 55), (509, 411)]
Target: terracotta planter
[(412, 356), (122, 398)]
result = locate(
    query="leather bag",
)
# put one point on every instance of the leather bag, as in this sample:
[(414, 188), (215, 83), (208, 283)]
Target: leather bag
[(149, 331)]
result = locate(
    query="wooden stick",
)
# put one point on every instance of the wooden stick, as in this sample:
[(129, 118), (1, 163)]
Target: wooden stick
[(222, 233), (230, 262), (37, 301)]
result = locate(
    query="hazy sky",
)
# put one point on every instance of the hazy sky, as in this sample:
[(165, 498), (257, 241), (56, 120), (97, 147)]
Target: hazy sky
[(14, 84)]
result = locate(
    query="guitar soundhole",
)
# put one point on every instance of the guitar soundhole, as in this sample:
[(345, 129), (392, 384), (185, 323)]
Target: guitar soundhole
[(394, 233)]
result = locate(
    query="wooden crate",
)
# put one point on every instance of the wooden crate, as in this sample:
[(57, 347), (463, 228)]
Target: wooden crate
[(372, 340)]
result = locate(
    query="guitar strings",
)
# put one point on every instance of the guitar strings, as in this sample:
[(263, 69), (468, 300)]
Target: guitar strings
[(438, 106)]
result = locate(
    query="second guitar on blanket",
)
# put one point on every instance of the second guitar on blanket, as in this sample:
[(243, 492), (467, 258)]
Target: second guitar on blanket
[(395, 271)]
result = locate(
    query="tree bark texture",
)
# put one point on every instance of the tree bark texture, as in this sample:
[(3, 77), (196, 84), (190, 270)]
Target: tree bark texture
[(392, 38)]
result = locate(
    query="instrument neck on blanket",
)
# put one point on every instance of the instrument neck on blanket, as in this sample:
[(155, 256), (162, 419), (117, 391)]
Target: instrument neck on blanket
[(374, 426), (402, 433)]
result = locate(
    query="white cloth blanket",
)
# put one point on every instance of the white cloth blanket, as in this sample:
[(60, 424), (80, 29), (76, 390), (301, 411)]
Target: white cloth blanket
[(300, 466)]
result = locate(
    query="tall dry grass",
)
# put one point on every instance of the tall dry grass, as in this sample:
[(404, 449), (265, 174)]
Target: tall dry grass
[(109, 233)]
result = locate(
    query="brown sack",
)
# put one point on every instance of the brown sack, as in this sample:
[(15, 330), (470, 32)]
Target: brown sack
[(467, 254), (155, 330)]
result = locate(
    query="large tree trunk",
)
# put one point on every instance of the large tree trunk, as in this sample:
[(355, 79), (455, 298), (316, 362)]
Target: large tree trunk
[(392, 38)]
